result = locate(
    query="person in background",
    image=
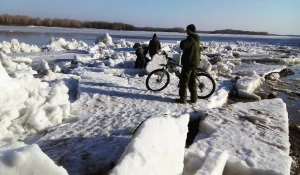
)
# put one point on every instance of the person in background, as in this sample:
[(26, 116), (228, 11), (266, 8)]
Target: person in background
[(190, 61), (141, 52), (154, 46)]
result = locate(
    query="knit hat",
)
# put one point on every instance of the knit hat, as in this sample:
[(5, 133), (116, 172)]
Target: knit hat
[(136, 45), (191, 27), (154, 35)]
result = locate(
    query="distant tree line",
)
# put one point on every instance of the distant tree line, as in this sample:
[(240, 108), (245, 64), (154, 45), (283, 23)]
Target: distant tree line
[(174, 29), (106, 25), (202, 31), (238, 32), (17, 20)]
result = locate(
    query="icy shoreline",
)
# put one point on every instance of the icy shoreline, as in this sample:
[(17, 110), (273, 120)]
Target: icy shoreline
[(110, 98)]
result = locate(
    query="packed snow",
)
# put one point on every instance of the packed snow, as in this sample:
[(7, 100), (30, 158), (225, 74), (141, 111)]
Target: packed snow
[(156, 63), (19, 158), (214, 163), (107, 40), (15, 47), (249, 69), (29, 105), (60, 44), (254, 134), (15, 69), (79, 104), (156, 148)]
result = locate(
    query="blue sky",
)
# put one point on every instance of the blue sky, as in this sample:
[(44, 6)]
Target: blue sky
[(273, 16)]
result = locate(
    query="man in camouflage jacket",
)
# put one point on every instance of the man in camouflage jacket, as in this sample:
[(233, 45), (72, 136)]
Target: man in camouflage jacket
[(190, 61)]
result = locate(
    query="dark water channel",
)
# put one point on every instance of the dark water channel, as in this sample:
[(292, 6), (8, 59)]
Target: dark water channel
[(292, 98)]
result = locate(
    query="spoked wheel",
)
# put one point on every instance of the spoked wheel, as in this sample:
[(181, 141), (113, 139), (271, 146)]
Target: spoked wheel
[(157, 80), (205, 85)]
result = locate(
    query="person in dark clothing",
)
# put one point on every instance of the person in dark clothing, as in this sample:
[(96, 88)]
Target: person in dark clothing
[(190, 61), (154, 46), (141, 60)]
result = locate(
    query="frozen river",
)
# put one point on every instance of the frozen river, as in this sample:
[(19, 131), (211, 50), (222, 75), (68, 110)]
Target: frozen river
[(82, 115), (42, 35)]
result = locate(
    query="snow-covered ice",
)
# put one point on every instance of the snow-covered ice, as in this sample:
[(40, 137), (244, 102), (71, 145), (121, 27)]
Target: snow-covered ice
[(107, 40), (214, 163), (205, 64), (156, 148), (249, 84), (15, 47), (29, 105), (262, 70), (15, 69), (219, 98), (156, 63), (109, 98), (60, 44), (108, 107), (43, 66), (254, 134), (292, 59), (252, 76), (19, 158), (56, 68)]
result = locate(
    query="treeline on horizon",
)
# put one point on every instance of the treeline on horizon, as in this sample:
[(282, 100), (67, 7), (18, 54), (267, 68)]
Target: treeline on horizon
[(18, 20), (238, 32)]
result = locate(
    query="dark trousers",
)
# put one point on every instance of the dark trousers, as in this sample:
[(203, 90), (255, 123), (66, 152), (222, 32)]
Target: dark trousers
[(140, 63), (188, 80)]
